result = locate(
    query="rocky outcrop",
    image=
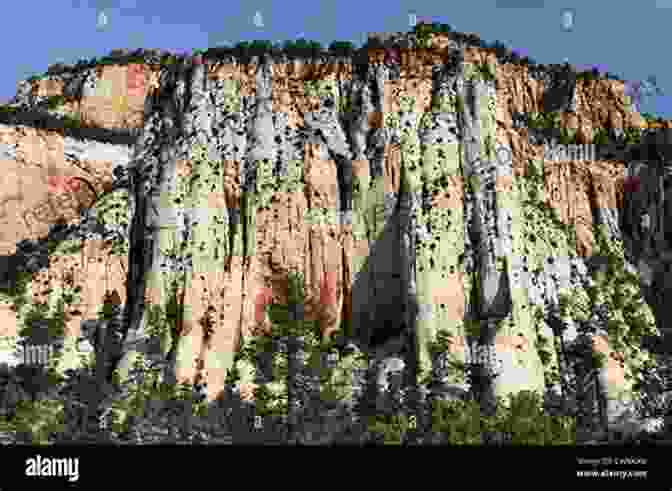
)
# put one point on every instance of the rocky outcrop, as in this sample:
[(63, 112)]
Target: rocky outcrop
[(402, 187), (51, 181)]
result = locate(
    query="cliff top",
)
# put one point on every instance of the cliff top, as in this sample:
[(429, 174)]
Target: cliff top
[(423, 37), (55, 100)]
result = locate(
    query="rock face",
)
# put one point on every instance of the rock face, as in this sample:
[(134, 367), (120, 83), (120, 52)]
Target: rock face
[(402, 188), (52, 180)]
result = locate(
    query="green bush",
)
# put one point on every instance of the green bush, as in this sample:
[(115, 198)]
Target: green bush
[(566, 138), (345, 103), (388, 429), (423, 33), (544, 120), (260, 46), (71, 121), (457, 422), (108, 60), (55, 101), (6, 109), (302, 47), (58, 417), (486, 72), (40, 328), (587, 75), (444, 28), (632, 136), (135, 59), (424, 29), (341, 47), (35, 422), (17, 291), (523, 422), (601, 136), (169, 59), (459, 104)]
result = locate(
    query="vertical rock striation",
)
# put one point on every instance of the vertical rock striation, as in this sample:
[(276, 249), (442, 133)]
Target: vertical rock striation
[(403, 188)]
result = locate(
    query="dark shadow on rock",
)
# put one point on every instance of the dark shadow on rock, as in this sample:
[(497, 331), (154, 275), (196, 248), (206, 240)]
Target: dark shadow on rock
[(502, 303), (38, 119), (652, 176), (559, 95), (378, 291), (31, 255)]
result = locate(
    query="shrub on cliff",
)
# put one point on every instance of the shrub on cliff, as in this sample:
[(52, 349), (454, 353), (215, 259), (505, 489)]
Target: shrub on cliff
[(40, 328), (34, 419), (109, 60), (299, 380), (71, 122), (57, 69), (522, 422), (632, 136), (55, 101), (613, 305), (423, 34), (16, 289), (567, 138), (343, 48), (588, 75), (85, 404), (601, 136), (302, 47), (255, 48), (486, 72)]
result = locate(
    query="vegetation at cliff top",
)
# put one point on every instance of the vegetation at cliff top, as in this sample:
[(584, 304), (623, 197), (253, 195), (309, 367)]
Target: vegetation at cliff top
[(305, 48), (302, 47)]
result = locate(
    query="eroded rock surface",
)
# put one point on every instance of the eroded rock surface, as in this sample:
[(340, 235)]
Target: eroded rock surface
[(402, 193)]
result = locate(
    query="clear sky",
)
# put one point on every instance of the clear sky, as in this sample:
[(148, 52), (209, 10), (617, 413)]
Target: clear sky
[(627, 38)]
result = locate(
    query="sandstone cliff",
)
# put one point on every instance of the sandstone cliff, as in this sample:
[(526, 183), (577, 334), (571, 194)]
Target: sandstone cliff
[(399, 180)]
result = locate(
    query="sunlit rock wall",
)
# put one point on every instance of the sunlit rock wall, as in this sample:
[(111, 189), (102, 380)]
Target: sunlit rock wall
[(401, 191)]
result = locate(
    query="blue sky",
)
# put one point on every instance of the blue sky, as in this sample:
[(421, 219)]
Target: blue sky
[(624, 37)]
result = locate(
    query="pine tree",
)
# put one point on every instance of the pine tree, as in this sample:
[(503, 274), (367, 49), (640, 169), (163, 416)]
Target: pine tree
[(303, 376)]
